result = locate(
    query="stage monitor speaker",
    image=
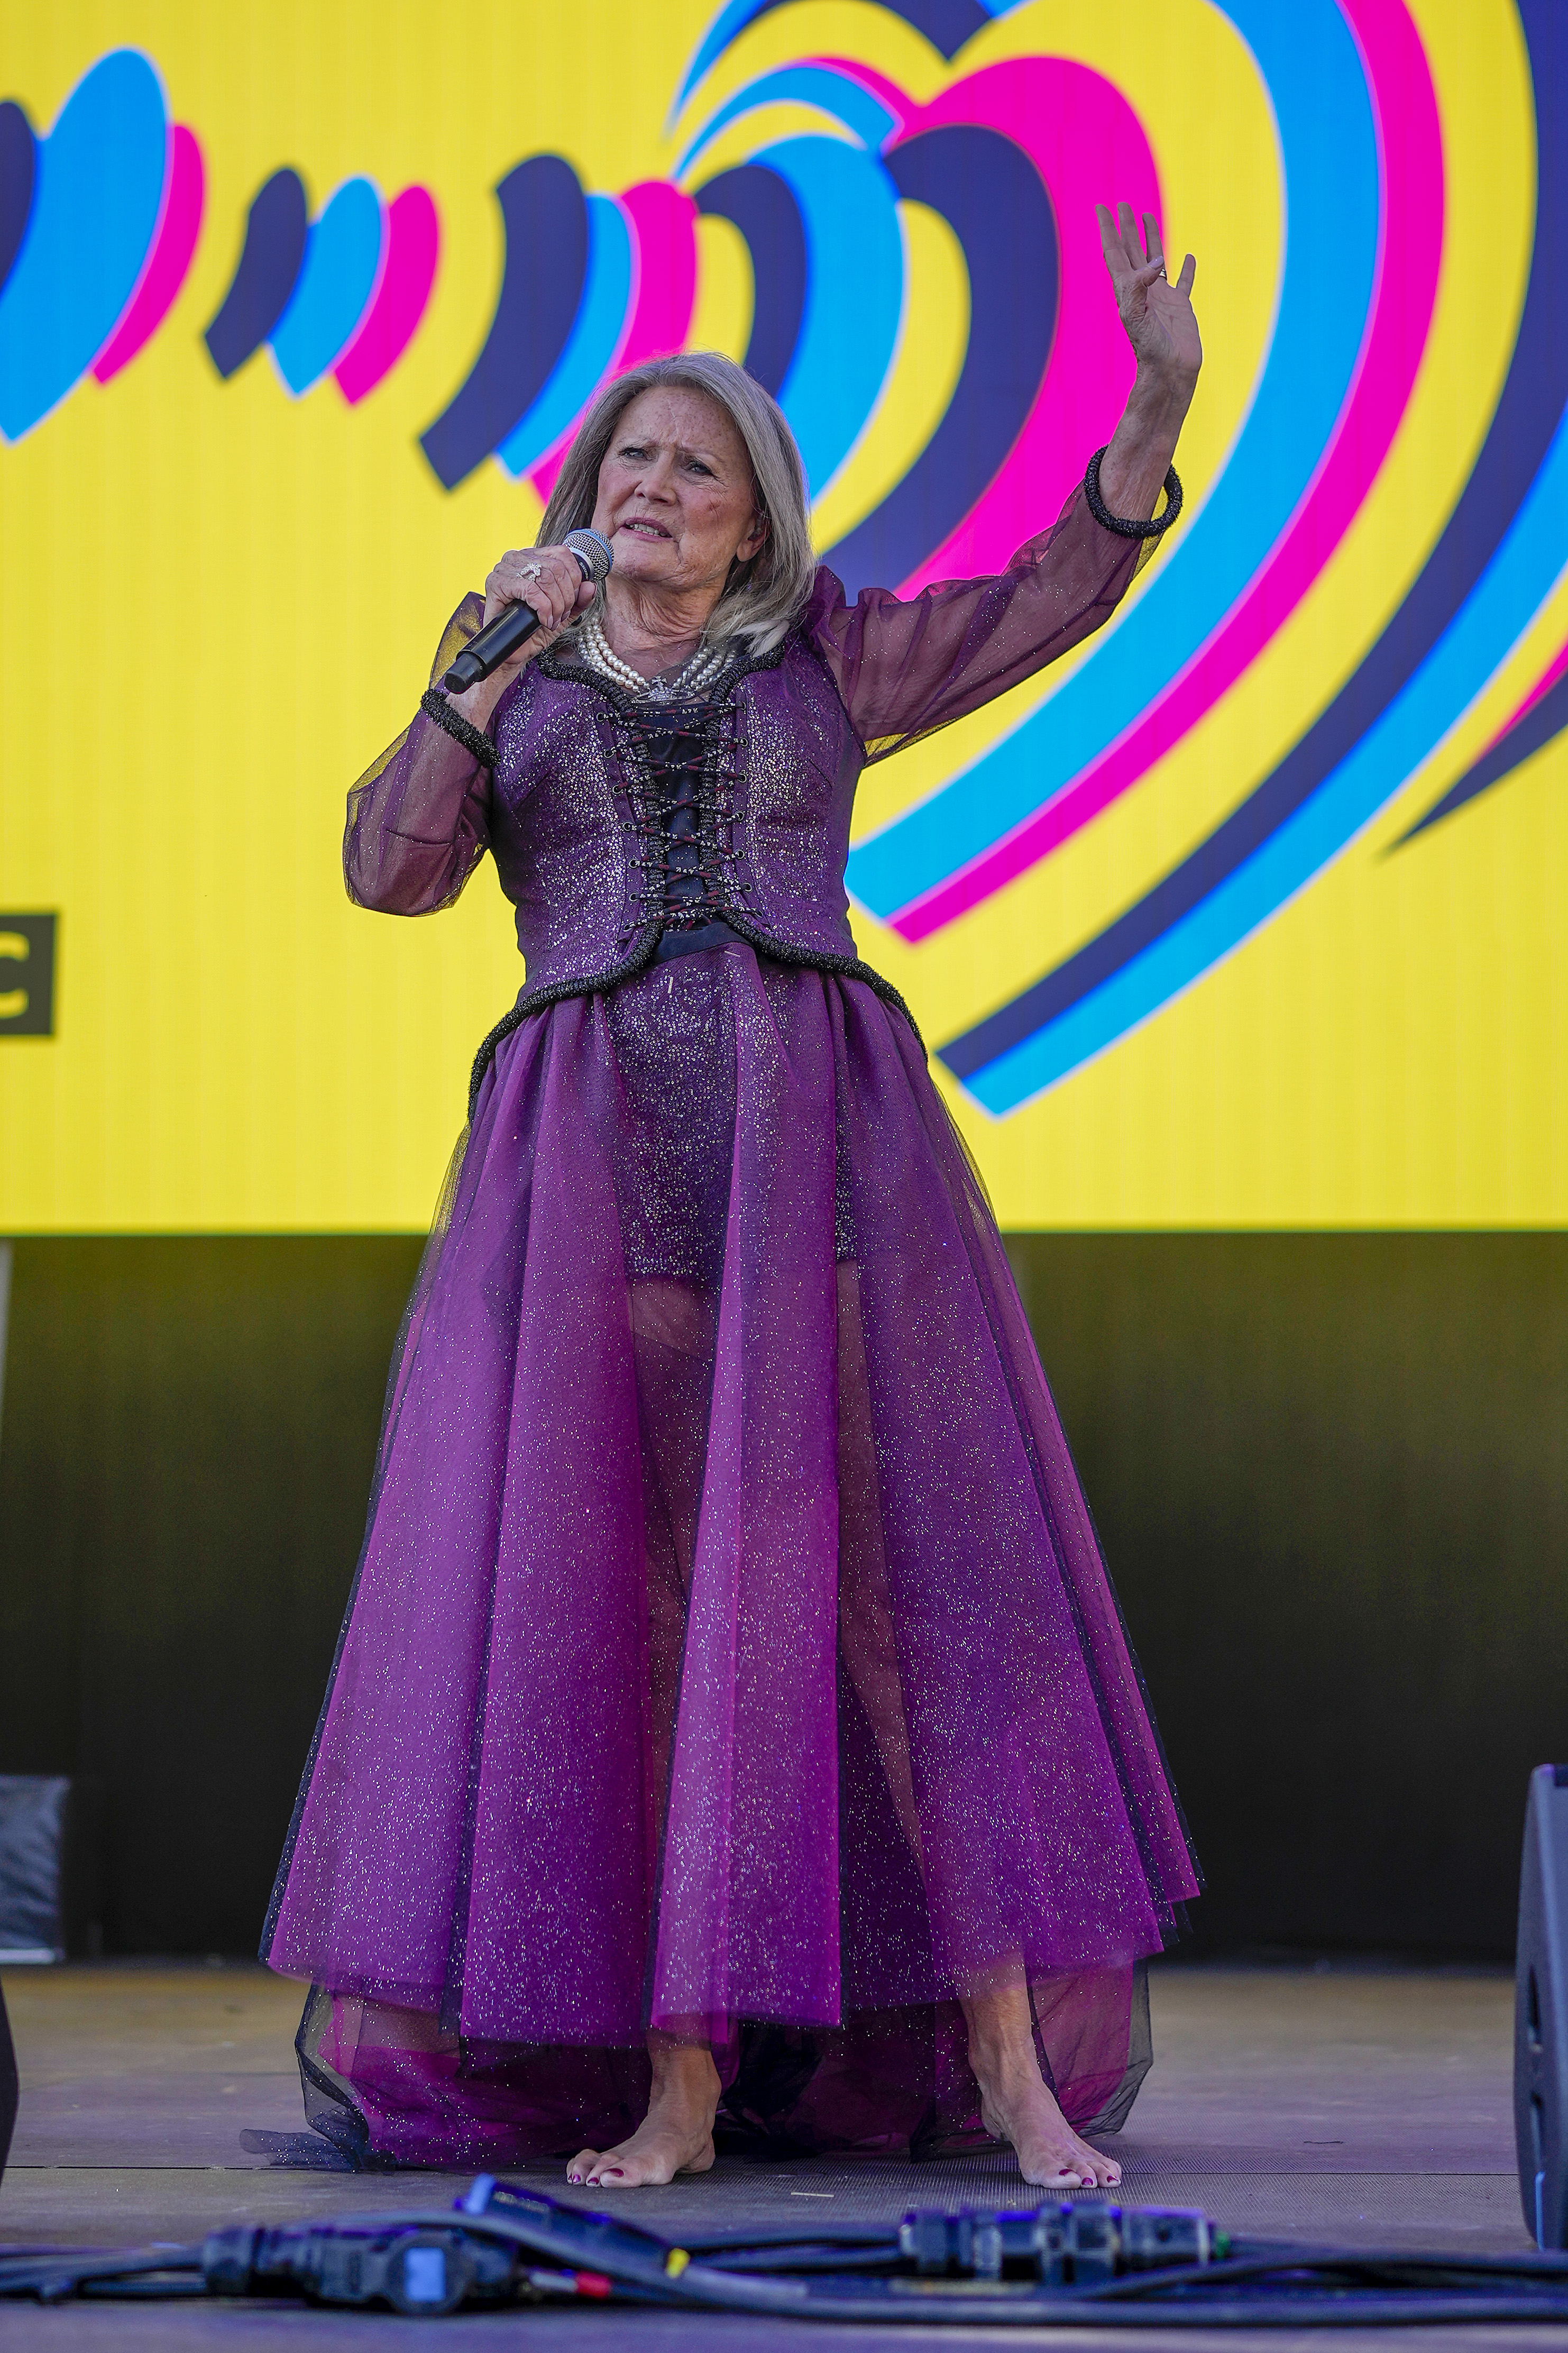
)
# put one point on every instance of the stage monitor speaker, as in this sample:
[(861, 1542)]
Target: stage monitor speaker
[(1540, 2010), (51, 1868), (8, 2086)]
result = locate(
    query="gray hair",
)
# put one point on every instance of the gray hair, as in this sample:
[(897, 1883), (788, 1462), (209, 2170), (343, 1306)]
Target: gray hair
[(763, 596)]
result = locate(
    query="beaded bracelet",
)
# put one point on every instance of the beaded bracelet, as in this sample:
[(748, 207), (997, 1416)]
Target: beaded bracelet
[(472, 739), (1129, 530)]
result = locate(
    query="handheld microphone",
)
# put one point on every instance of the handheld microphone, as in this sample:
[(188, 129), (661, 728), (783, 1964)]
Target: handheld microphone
[(500, 638)]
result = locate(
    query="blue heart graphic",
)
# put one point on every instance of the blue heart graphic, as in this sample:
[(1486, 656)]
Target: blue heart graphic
[(95, 208)]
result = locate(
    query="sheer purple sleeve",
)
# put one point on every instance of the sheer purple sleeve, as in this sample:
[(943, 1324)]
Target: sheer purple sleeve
[(419, 817), (906, 668)]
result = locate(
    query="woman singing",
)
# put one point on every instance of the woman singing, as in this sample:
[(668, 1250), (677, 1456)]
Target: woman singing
[(733, 1733)]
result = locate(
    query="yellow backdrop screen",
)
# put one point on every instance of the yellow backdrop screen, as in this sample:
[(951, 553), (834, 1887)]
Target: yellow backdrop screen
[(1247, 915)]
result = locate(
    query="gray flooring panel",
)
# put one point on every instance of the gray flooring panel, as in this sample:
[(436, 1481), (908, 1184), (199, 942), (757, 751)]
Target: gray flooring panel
[(272, 2329), (1355, 2106)]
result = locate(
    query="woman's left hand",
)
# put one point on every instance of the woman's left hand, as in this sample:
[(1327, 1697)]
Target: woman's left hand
[(1157, 315)]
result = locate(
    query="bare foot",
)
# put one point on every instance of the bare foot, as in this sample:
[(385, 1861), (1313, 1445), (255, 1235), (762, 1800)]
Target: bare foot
[(677, 2133), (1015, 2103)]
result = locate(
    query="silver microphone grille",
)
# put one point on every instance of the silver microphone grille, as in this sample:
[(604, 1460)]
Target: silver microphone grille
[(594, 555)]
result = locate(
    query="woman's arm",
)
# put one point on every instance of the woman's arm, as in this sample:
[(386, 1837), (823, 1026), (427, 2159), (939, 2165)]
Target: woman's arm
[(418, 818), (906, 667), (1163, 334)]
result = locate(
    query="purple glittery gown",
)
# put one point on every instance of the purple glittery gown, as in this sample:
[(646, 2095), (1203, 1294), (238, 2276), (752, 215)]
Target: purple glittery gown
[(731, 1650)]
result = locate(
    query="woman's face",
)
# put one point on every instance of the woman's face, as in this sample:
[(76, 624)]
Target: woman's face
[(676, 500)]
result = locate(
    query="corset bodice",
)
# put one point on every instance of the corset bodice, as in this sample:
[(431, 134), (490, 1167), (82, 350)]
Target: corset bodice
[(685, 851)]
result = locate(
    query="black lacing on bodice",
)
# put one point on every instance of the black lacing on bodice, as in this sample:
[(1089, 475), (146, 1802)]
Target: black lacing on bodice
[(691, 889), (682, 827)]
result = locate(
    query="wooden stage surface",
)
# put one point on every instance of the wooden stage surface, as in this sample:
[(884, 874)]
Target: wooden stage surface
[(1350, 2105)]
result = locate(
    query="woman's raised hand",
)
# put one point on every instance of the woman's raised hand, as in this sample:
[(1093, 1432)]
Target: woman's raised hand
[(1165, 337), (549, 581), (1156, 313)]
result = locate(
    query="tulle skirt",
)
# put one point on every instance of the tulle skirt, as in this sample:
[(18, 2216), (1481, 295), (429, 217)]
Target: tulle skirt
[(730, 1650)]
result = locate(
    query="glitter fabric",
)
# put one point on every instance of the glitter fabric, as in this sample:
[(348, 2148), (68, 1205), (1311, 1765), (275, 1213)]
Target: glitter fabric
[(568, 818), (690, 856), (731, 1650)]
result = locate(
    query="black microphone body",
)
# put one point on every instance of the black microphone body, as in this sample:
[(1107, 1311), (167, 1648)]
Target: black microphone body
[(500, 638)]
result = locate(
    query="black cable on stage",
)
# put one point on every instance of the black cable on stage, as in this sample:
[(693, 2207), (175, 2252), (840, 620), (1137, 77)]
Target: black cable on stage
[(1081, 2266)]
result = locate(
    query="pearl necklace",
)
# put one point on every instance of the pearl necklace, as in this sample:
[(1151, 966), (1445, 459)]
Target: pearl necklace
[(693, 678)]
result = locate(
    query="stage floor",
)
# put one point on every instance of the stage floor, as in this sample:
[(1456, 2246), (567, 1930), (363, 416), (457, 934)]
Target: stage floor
[(1348, 2104)]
